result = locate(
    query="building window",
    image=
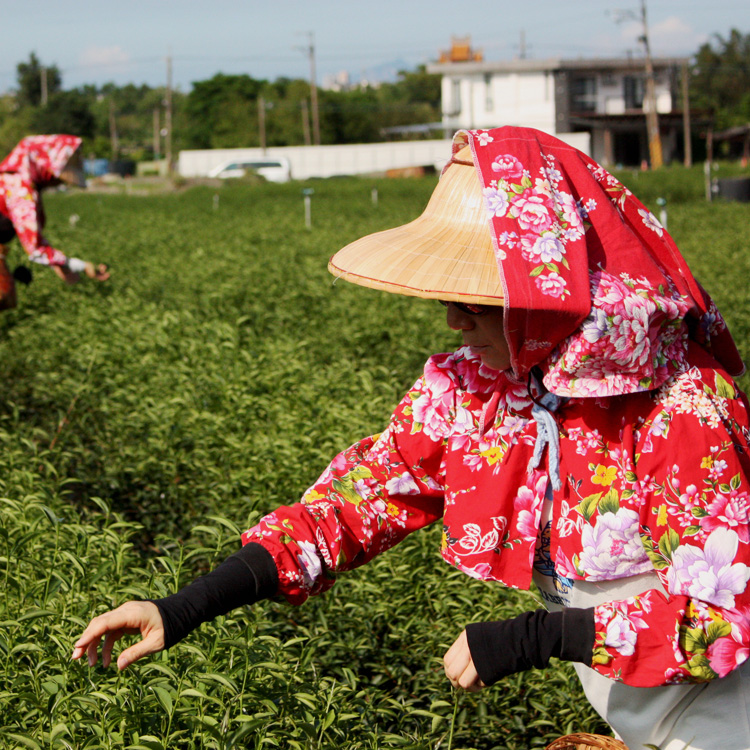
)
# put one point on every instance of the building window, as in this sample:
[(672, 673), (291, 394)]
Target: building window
[(489, 104), (583, 94), (633, 92), (456, 96)]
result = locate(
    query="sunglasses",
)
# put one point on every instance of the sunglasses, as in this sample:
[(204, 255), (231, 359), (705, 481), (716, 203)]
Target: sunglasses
[(467, 308)]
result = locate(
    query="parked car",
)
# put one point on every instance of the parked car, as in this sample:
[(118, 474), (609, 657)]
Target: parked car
[(273, 169)]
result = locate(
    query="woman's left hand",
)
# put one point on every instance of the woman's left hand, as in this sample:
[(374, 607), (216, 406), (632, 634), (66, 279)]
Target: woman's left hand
[(459, 666), (98, 273)]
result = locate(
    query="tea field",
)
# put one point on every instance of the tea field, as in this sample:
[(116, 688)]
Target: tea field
[(146, 422)]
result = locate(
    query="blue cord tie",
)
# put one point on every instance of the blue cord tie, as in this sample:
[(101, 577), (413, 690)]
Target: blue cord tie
[(547, 433)]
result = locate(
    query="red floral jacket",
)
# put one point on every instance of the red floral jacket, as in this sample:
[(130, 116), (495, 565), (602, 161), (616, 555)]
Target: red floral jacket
[(657, 480)]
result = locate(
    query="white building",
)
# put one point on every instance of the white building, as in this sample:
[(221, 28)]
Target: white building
[(603, 97)]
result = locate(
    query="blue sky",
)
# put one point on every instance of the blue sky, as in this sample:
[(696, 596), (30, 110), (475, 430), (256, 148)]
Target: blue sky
[(95, 41)]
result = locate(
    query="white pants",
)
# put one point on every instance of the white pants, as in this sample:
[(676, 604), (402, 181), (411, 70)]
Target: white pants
[(707, 716)]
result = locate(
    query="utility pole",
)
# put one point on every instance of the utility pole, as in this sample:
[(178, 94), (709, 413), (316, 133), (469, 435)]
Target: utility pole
[(686, 118), (157, 135), (652, 117), (168, 115), (305, 122), (649, 102), (113, 139), (313, 89)]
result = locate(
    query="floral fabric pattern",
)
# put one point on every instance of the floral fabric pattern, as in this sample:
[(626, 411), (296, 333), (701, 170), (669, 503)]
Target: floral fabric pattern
[(551, 210), (32, 165), (646, 487), (653, 433)]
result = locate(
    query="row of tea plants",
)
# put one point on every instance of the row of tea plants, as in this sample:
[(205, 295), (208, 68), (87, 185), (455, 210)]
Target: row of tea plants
[(144, 423)]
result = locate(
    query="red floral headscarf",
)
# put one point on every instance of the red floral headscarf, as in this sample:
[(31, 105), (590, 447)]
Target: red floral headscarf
[(39, 159), (596, 291)]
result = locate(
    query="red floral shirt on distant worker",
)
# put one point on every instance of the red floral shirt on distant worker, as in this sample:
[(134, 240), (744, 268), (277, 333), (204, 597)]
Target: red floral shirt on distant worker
[(33, 165)]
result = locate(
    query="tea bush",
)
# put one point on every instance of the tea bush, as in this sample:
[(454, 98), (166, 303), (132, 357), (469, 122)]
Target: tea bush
[(146, 422)]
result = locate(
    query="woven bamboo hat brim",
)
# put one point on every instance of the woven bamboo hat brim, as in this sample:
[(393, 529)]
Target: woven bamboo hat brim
[(446, 253)]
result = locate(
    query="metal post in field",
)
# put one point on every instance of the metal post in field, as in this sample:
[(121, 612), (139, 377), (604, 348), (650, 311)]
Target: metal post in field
[(307, 192)]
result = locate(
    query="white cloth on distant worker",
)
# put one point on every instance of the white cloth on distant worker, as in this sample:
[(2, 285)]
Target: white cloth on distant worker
[(76, 265)]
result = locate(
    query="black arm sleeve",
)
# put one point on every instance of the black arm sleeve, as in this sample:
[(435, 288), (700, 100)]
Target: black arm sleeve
[(499, 649), (245, 577)]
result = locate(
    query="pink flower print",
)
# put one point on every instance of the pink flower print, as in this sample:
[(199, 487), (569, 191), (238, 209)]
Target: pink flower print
[(620, 636), (528, 507), (571, 212), (433, 415), (362, 488), (403, 484), (481, 571), (484, 138), (630, 335), (516, 396), (473, 461), (646, 485), (496, 201), (544, 248), (726, 654), (309, 563), (564, 567), (709, 574), (531, 211), (729, 512), (612, 548), (651, 221), (543, 187), (437, 381), (508, 168), (553, 285), (589, 442), (607, 290), (717, 468), (511, 426), (690, 498), (660, 425)]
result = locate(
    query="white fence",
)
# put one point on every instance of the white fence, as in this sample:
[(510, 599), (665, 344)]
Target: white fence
[(350, 159)]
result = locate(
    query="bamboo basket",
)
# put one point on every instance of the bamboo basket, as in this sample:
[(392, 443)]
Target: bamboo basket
[(584, 741)]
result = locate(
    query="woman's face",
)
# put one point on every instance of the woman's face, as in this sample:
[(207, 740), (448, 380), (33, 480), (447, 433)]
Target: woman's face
[(482, 332)]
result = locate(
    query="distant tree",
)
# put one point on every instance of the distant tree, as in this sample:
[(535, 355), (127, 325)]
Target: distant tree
[(350, 116), (210, 100), (287, 101), (414, 87), (65, 112), (15, 123), (720, 80), (29, 77)]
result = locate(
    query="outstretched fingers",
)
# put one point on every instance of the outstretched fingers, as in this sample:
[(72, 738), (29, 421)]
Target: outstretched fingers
[(128, 619)]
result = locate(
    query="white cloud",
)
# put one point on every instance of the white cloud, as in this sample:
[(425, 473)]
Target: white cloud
[(673, 36), (109, 57), (669, 36)]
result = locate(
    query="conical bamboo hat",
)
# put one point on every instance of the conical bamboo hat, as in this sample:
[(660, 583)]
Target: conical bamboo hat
[(446, 253)]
